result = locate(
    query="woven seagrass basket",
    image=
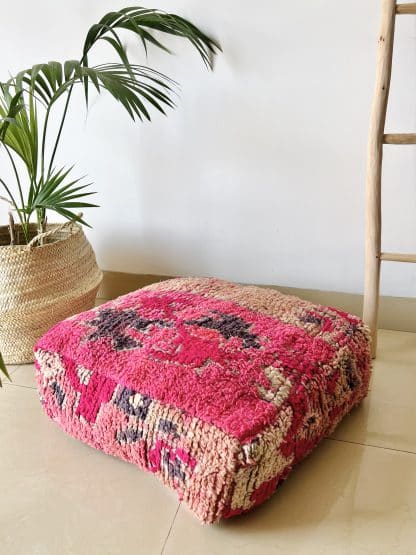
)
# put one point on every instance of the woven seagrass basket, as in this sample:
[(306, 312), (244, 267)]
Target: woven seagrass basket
[(53, 277)]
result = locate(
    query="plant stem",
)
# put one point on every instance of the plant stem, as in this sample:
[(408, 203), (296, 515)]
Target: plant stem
[(23, 218), (24, 224), (16, 174), (45, 126), (84, 57), (10, 194), (12, 230), (60, 129)]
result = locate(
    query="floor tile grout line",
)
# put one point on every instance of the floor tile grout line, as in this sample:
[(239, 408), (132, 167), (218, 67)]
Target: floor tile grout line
[(170, 529), (370, 445), (20, 385), (12, 369)]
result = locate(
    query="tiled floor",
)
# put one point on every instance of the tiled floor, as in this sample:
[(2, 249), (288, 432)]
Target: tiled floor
[(356, 494)]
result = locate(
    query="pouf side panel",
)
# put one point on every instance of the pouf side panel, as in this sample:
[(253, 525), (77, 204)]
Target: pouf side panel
[(195, 459), (306, 423)]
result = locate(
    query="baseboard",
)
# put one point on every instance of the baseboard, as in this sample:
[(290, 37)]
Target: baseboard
[(115, 284), (396, 313)]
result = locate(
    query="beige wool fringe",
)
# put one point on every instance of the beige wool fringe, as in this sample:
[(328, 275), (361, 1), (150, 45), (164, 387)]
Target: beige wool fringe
[(53, 277)]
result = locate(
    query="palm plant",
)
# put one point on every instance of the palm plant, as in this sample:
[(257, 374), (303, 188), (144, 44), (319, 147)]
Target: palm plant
[(29, 100)]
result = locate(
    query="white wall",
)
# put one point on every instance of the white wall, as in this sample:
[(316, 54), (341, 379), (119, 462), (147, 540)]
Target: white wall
[(259, 174)]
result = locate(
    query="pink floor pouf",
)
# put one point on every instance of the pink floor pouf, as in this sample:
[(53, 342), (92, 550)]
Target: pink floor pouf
[(216, 388)]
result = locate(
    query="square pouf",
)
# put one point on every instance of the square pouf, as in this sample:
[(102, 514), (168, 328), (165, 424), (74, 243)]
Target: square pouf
[(218, 389)]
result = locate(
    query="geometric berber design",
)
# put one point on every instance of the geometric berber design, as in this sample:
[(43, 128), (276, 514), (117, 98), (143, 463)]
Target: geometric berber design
[(218, 389)]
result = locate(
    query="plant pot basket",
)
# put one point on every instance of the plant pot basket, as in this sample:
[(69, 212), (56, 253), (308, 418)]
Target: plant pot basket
[(41, 285)]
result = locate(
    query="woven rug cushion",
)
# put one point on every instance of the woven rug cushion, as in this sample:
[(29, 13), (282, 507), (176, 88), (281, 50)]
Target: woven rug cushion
[(217, 389)]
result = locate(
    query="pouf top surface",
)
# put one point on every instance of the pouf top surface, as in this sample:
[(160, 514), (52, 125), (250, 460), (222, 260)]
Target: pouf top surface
[(229, 355)]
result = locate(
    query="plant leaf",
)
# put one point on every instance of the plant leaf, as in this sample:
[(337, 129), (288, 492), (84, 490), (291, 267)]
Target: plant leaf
[(140, 20), (3, 369), (21, 132), (59, 194)]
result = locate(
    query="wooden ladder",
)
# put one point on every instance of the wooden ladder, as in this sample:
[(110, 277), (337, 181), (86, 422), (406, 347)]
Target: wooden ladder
[(377, 139)]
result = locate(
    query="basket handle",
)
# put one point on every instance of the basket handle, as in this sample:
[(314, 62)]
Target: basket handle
[(60, 227)]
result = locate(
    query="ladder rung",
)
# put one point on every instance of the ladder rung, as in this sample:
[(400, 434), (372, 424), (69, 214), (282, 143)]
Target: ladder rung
[(397, 257), (402, 9), (399, 139)]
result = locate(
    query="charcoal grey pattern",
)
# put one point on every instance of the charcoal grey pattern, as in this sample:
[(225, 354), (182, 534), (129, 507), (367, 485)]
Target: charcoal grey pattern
[(311, 319), (350, 373), (123, 401), (168, 427), (114, 324), (228, 325), (131, 435), (173, 467), (59, 394)]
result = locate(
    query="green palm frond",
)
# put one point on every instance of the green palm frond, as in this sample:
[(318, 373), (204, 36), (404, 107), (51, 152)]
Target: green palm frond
[(61, 196), (134, 86), (20, 131), (10, 106), (140, 21)]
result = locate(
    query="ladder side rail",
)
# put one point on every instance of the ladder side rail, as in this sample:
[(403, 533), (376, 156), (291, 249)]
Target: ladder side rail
[(374, 169)]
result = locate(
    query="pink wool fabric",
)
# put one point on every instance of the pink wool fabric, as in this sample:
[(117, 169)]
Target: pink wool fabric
[(216, 388)]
